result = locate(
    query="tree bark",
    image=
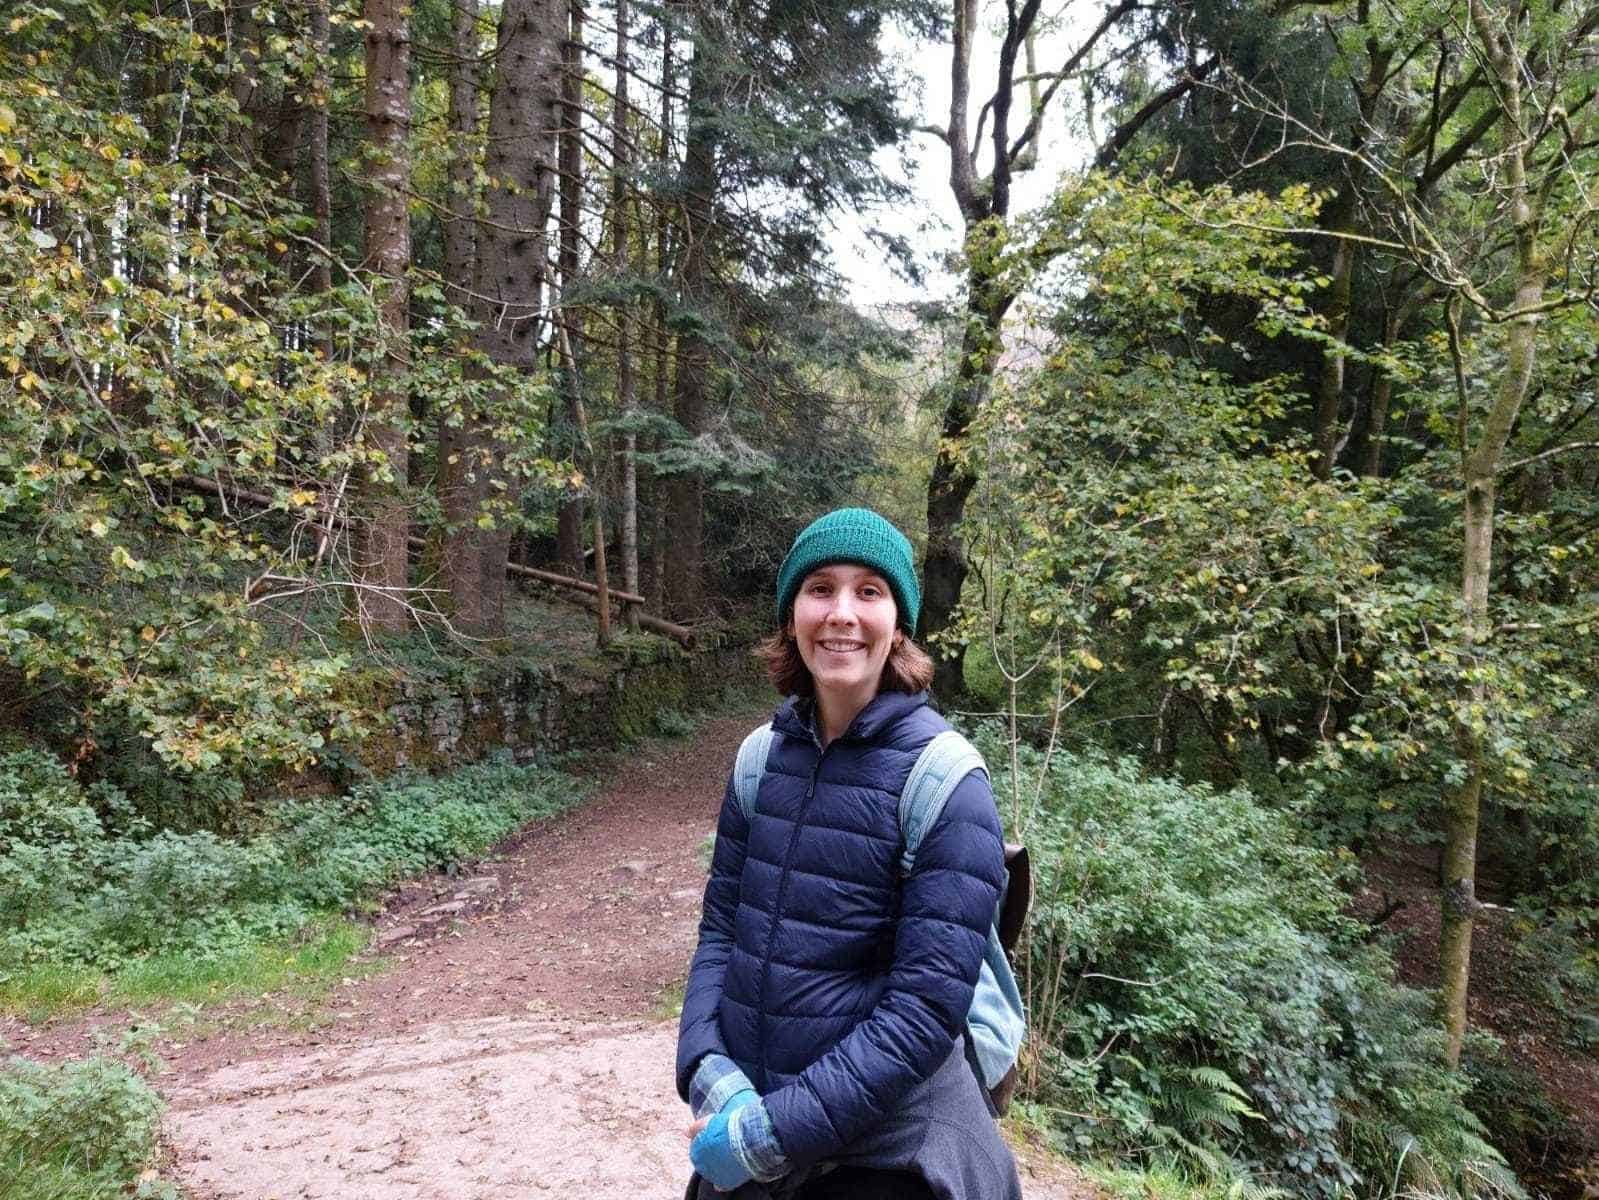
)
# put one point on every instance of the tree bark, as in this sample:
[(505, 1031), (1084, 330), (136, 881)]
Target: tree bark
[(1480, 470), (626, 385), (381, 598), (321, 181), (685, 584), (1330, 387), (462, 437), (659, 499), (524, 112), (569, 516)]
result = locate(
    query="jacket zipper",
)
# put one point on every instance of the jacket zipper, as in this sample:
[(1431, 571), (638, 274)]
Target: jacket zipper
[(777, 909)]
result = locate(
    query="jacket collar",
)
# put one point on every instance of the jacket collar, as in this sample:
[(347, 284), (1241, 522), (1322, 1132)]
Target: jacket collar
[(797, 716)]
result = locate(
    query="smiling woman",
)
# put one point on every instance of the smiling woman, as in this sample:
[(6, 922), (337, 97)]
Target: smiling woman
[(822, 1044)]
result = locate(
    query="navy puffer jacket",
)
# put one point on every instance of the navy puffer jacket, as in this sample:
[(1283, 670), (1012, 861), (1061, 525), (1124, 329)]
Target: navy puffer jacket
[(833, 982)]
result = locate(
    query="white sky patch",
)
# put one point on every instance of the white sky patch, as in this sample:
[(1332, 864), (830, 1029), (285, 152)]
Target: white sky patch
[(930, 221)]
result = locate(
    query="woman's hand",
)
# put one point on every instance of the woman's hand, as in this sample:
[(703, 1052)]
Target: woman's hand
[(713, 1155), (731, 1105)]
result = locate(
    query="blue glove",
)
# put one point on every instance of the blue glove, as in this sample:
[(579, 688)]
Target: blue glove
[(738, 1100), (711, 1152)]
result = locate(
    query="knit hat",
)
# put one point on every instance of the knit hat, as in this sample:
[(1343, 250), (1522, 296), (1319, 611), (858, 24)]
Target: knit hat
[(853, 535)]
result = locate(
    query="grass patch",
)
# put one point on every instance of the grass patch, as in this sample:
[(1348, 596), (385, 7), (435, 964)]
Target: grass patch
[(318, 957), (320, 953), (38, 991), (100, 916), (669, 1004)]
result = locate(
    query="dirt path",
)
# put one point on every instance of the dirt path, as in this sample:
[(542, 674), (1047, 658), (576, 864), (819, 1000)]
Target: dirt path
[(518, 1044)]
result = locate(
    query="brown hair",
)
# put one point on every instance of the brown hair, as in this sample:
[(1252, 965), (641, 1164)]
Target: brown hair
[(907, 669)]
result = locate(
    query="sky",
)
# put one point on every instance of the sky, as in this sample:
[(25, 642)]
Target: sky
[(931, 221)]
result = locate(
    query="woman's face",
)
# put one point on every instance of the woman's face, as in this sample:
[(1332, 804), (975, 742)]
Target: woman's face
[(844, 623)]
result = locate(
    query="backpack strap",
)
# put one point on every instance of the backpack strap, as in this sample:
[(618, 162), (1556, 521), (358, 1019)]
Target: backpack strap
[(750, 765), (942, 764)]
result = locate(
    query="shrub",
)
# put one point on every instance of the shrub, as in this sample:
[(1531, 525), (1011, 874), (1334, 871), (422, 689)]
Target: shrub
[(75, 1130), (76, 894), (1197, 996)]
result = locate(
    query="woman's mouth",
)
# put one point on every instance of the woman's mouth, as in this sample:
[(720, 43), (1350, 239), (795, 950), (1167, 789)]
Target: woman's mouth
[(838, 647)]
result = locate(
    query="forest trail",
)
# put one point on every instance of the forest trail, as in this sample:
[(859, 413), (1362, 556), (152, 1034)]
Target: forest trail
[(516, 1045)]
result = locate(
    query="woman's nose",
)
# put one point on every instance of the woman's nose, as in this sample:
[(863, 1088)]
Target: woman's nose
[(843, 609)]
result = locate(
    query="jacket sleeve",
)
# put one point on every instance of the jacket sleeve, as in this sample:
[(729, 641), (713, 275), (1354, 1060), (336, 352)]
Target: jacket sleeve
[(699, 1033), (947, 907)]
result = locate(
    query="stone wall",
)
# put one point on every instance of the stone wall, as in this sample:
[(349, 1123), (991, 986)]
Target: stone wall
[(533, 711)]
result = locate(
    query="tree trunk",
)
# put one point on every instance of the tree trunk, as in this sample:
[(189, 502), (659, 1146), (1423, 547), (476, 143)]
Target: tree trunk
[(381, 598), (1330, 387), (626, 386), (460, 229), (569, 517), (945, 568), (524, 111), (1480, 470), (462, 435), (658, 496), (321, 183), (1382, 392), (685, 584)]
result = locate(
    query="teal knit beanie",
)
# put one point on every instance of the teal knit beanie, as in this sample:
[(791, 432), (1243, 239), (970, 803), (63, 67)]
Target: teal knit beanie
[(853, 535)]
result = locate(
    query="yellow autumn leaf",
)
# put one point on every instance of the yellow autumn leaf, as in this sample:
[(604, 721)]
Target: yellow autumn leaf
[(121, 559), (99, 528), (147, 633), (303, 497), (1089, 660), (8, 119)]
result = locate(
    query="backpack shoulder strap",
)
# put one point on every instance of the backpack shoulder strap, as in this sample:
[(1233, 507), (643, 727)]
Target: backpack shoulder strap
[(942, 764), (750, 765)]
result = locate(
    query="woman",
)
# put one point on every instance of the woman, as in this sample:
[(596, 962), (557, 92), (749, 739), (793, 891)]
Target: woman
[(820, 1045)]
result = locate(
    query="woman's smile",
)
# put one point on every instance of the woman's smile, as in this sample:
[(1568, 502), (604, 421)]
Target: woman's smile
[(844, 624)]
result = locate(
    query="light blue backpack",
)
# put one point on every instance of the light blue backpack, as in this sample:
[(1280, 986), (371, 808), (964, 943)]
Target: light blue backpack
[(995, 1022)]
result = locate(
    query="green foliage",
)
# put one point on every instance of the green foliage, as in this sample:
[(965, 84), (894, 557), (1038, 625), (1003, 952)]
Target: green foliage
[(178, 413), (1161, 567), (78, 1130), (1197, 997), (78, 895)]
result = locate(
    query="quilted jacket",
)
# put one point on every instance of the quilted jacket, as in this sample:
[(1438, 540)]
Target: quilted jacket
[(831, 983)]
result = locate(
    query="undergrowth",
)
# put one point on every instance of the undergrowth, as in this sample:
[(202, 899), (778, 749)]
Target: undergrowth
[(81, 1130), (93, 900), (1199, 1002)]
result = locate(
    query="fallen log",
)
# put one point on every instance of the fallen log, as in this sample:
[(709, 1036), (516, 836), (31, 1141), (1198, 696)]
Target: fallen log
[(578, 585), (588, 593)]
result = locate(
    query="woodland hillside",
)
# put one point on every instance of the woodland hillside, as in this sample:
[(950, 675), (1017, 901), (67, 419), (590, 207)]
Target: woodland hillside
[(1248, 435)]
